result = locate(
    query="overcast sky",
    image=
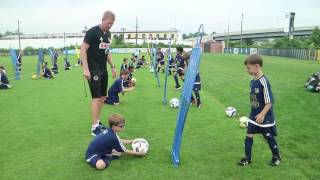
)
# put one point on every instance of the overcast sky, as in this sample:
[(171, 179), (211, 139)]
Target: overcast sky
[(71, 16)]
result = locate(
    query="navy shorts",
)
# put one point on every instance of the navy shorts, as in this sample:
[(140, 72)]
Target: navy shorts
[(254, 129), (92, 161), (112, 98), (161, 62), (197, 87), (180, 72)]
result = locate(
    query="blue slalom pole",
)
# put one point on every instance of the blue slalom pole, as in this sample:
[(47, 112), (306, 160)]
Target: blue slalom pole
[(154, 54), (40, 61), (14, 60), (185, 98)]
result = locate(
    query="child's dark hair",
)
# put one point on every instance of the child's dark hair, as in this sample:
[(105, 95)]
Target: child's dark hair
[(115, 119), (125, 72), (125, 59), (253, 60), (179, 49)]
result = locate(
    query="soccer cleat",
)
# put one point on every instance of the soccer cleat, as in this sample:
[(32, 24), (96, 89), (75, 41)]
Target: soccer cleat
[(199, 106), (275, 161), (244, 162), (177, 88), (97, 130)]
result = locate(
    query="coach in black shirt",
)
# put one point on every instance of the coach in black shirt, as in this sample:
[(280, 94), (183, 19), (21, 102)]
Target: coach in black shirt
[(95, 55)]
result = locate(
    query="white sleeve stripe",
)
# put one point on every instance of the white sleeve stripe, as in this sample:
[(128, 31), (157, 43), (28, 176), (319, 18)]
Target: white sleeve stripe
[(266, 91), (122, 146)]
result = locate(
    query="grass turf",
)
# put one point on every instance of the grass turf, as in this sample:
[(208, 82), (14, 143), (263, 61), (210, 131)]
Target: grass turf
[(45, 125)]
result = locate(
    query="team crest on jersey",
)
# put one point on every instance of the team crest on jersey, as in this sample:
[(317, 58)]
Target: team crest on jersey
[(256, 90), (96, 78), (103, 45)]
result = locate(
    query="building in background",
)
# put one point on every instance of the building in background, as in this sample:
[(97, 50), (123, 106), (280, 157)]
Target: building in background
[(130, 36)]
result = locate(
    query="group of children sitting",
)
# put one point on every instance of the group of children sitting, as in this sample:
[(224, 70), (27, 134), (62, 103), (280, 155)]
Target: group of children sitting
[(125, 82), (313, 83), (47, 73)]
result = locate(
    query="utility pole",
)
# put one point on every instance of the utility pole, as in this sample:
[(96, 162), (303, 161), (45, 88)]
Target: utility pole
[(228, 36), (241, 33), (19, 35), (136, 31)]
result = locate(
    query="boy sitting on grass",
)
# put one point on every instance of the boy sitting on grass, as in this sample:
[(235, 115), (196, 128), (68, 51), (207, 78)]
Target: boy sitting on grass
[(4, 81), (107, 145), (46, 72), (124, 65), (116, 88)]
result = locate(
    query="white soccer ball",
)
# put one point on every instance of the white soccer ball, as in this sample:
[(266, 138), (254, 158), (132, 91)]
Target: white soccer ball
[(151, 70), (76, 65), (231, 111), (140, 145), (174, 103), (243, 122), (134, 80)]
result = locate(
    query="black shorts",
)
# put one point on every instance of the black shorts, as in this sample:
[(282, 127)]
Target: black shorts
[(98, 85), (254, 129), (162, 62)]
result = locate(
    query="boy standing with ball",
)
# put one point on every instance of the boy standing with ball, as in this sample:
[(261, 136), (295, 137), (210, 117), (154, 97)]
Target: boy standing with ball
[(107, 145), (261, 118)]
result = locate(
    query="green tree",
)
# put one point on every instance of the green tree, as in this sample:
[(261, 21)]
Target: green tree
[(315, 38)]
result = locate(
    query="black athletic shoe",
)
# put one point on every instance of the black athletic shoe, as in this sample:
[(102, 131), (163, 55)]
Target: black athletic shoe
[(178, 87), (244, 162), (275, 161), (102, 126), (199, 106), (97, 130)]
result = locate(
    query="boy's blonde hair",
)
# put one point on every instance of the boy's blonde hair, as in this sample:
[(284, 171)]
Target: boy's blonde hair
[(115, 119)]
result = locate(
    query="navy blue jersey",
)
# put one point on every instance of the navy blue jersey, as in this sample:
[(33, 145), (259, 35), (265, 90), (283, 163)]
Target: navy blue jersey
[(171, 61), (198, 80), (117, 86), (47, 73), (19, 59), (104, 143), (123, 66), (3, 78), (180, 61), (55, 65), (260, 95), (160, 56)]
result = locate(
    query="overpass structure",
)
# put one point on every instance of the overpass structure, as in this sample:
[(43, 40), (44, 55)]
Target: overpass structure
[(259, 34)]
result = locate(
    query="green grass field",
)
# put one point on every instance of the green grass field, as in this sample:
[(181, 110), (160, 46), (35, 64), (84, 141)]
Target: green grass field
[(45, 125)]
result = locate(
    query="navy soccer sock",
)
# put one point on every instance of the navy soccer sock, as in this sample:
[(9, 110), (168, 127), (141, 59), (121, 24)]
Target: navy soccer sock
[(248, 147)]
